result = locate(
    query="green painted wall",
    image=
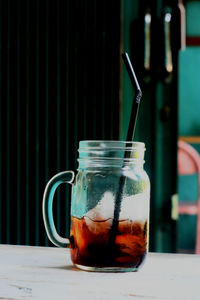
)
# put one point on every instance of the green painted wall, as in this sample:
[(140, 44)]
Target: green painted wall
[(189, 91), (193, 18)]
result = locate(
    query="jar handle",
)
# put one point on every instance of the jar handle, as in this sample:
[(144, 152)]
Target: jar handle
[(47, 209)]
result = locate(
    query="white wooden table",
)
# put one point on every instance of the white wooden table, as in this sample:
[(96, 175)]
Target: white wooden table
[(47, 273)]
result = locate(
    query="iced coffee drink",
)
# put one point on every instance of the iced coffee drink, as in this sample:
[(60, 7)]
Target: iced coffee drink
[(91, 234)]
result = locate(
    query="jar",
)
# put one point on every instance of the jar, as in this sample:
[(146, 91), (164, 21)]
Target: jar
[(109, 207)]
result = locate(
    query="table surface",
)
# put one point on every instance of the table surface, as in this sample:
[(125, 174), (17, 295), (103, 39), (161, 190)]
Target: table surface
[(47, 273)]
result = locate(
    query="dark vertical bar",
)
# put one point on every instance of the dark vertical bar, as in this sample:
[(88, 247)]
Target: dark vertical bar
[(58, 112), (18, 130), (103, 72), (94, 70), (37, 129), (47, 102), (27, 229), (116, 99), (76, 22), (85, 75), (111, 66), (1, 144), (67, 141), (67, 86), (8, 133)]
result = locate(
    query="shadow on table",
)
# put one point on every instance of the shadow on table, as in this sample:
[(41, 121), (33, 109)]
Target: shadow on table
[(67, 267)]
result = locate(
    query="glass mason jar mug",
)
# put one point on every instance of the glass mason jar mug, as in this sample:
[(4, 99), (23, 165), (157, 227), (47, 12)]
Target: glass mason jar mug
[(109, 207)]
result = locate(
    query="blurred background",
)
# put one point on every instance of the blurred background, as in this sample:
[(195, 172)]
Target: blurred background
[(62, 80)]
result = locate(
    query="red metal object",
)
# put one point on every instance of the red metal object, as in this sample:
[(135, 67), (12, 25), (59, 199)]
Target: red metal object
[(193, 40)]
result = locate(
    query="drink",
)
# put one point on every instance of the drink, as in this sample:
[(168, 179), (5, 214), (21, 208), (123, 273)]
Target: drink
[(91, 244)]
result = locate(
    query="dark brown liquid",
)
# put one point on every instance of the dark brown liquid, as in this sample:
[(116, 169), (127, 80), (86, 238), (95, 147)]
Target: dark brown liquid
[(91, 244)]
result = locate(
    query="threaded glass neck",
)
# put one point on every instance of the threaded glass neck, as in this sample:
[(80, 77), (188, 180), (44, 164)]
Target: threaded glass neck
[(110, 153)]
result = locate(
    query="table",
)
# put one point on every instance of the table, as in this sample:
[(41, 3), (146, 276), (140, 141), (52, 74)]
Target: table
[(47, 273)]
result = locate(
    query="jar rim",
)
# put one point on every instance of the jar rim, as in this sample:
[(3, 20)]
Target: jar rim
[(115, 144), (110, 153)]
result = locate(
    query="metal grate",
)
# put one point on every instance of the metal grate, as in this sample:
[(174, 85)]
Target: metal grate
[(59, 83)]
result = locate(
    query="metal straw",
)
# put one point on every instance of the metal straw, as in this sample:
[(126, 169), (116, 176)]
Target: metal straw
[(130, 137), (137, 98)]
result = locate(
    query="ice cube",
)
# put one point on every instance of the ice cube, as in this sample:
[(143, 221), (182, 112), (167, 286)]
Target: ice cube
[(99, 219), (135, 207), (104, 209)]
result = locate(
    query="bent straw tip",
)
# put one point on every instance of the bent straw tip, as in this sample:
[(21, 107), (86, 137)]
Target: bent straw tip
[(131, 71), (125, 56)]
